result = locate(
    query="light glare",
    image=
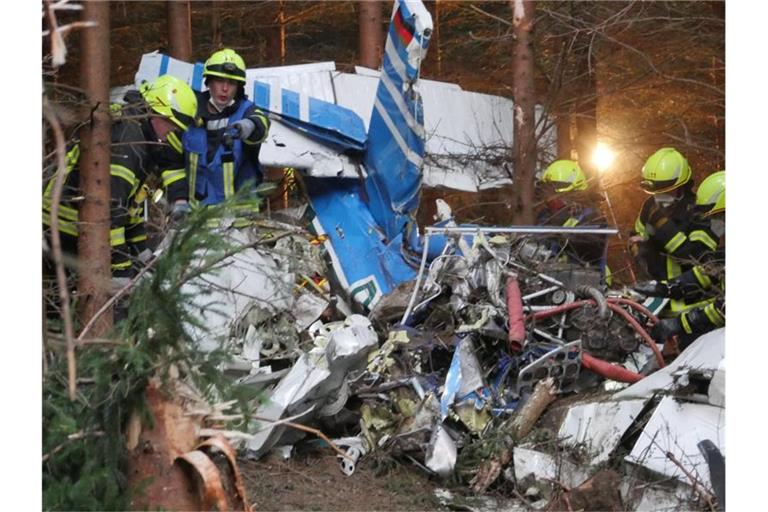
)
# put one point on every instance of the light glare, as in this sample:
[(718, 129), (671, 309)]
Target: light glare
[(603, 157)]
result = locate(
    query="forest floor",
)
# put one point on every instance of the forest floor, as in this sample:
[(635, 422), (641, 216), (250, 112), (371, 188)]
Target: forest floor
[(315, 482)]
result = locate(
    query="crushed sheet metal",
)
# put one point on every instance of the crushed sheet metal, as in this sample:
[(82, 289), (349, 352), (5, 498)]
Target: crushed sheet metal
[(599, 426), (355, 448), (316, 375), (452, 381), (441, 453), (222, 298), (716, 393), (543, 465), (287, 147), (678, 427), (703, 354), (308, 308)]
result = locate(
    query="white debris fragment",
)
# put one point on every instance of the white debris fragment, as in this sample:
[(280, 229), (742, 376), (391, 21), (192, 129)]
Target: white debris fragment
[(599, 426)]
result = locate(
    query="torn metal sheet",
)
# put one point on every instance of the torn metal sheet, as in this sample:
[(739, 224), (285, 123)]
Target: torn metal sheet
[(441, 453), (355, 448), (542, 465), (704, 354), (287, 147), (716, 392), (223, 298), (308, 309), (599, 426), (367, 265), (675, 429), (315, 377)]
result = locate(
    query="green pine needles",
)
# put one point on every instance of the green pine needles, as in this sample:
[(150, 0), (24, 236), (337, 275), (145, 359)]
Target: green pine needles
[(84, 446)]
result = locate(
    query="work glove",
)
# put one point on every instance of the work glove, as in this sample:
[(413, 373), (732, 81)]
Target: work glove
[(652, 288), (244, 128), (666, 328), (179, 212)]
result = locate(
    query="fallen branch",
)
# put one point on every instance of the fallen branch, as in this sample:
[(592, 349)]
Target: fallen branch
[(61, 276), (523, 422), (70, 438), (697, 486)]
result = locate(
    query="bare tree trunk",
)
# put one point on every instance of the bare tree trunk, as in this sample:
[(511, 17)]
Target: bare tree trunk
[(179, 30), (435, 56), (216, 41), (94, 219), (524, 145), (275, 51), (370, 33)]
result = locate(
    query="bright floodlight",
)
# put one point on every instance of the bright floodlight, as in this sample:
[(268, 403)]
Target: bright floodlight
[(603, 157)]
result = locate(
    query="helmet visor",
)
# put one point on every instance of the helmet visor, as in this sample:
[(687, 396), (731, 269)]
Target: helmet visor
[(659, 186), (227, 70)]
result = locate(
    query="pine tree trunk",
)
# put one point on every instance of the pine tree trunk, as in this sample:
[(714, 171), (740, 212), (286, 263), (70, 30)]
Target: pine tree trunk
[(524, 145), (216, 41), (370, 33), (275, 51), (179, 30), (93, 244)]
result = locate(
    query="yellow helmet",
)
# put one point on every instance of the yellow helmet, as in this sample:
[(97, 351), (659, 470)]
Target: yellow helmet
[(710, 197), (171, 98), (566, 175), (665, 170), (225, 64)]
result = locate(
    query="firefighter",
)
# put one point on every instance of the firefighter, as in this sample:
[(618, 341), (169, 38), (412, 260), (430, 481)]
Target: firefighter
[(565, 195), (703, 285), (223, 155), (660, 240), (146, 139)]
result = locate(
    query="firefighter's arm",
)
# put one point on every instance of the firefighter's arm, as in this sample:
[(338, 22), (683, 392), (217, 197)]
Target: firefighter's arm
[(261, 126)]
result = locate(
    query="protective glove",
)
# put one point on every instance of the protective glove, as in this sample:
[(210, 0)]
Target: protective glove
[(652, 288), (666, 328), (244, 128), (179, 212)]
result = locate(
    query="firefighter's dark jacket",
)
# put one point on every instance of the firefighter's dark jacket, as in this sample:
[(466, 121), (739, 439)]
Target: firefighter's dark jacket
[(672, 240), (135, 154)]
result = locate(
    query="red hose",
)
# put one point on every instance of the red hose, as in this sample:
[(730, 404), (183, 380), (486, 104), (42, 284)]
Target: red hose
[(516, 334), (608, 370), (637, 307), (642, 332), (559, 309)]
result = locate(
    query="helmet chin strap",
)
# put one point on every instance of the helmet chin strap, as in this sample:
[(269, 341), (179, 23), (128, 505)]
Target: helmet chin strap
[(216, 105)]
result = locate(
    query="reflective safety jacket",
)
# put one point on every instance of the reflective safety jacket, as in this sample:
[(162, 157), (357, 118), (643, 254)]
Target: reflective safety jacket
[(216, 171), (135, 154), (699, 293), (672, 243)]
